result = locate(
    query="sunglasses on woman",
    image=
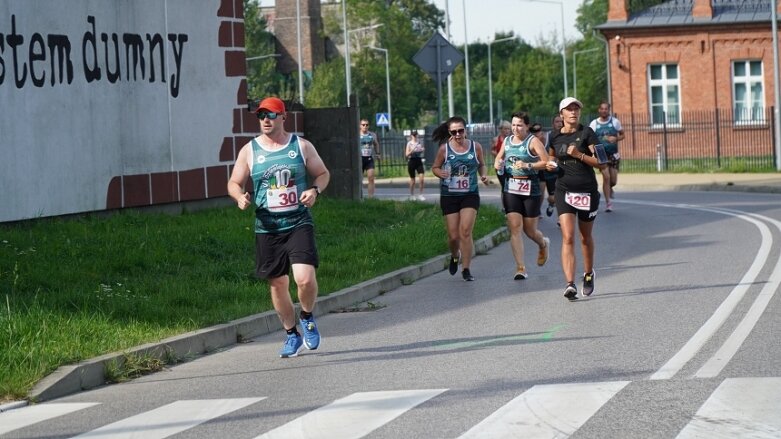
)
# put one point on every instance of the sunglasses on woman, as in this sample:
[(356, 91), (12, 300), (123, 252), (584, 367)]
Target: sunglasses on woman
[(458, 131)]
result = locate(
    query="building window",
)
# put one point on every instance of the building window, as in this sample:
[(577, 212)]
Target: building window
[(747, 89), (664, 88)]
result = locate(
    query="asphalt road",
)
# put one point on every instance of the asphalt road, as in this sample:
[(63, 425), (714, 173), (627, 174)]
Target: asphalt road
[(679, 340)]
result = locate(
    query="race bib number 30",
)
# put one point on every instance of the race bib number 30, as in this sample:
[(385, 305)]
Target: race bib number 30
[(459, 184), (283, 199), (578, 201), (519, 186)]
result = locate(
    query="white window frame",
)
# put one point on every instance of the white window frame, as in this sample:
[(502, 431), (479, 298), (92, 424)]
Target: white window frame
[(665, 83), (748, 80)]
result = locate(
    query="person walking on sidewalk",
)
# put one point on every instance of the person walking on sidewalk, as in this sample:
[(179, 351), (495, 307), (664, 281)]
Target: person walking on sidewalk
[(279, 163), (577, 193), (523, 156), (370, 148), (459, 163), (610, 132), (414, 154)]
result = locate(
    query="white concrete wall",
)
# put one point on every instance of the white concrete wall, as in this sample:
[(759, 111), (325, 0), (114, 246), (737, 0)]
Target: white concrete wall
[(61, 143)]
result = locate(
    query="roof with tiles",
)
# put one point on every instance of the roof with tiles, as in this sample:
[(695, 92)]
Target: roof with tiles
[(679, 12)]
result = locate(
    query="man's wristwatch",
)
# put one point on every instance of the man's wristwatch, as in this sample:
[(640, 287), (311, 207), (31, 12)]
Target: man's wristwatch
[(316, 188)]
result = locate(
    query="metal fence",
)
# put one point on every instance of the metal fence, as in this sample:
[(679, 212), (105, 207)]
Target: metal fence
[(695, 141)]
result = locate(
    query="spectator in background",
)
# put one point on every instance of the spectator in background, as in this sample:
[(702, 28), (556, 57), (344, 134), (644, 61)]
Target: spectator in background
[(505, 129), (370, 147), (414, 154)]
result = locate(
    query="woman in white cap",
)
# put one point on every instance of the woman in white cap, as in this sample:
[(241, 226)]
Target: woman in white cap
[(577, 193)]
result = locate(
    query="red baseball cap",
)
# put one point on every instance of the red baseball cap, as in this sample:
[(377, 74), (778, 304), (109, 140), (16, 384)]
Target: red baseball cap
[(272, 104)]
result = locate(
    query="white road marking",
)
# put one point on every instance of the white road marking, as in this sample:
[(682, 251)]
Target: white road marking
[(353, 416), (716, 364), (33, 414), (546, 411), (169, 419), (739, 408), (709, 328)]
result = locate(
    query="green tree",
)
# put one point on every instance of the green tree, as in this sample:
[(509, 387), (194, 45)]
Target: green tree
[(262, 76)]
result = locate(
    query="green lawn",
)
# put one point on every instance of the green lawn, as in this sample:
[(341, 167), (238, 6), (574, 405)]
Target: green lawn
[(73, 289)]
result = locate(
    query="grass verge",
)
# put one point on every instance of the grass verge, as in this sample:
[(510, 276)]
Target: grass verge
[(78, 288)]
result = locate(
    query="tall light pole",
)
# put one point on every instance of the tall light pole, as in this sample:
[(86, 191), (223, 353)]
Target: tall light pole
[(563, 41), (466, 66), (346, 51), (300, 66), (575, 68), (490, 78), (347, 59), (387, 85), (450, 110)]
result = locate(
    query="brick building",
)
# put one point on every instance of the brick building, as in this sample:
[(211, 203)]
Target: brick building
[(677, 61)]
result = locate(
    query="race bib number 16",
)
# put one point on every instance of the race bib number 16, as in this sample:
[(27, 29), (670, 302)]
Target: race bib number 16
[(578, 201), (459, 184)]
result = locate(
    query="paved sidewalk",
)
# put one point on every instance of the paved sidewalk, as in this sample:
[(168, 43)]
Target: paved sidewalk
[(90, 374)]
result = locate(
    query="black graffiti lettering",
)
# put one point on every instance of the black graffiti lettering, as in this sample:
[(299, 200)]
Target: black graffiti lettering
[(111, 76), (141, 51), (178, 60), (40, 55), (14, 40), (91, 73), (134, 44), (156, 40), (63, 54)]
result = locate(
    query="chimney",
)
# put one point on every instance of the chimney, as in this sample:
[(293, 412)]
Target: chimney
[(618, 10), (702, 9)]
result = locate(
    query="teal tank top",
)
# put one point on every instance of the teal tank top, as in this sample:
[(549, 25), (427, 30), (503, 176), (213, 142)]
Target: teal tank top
[(520, 181), (607, 129), (367, 145), (463, 171), (279, 178)]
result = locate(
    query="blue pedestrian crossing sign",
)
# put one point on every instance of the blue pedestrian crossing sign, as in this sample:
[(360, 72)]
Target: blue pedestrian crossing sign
[(383, 120)]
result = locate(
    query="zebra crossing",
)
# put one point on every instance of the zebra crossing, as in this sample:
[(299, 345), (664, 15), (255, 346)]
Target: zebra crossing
[(738, 407)]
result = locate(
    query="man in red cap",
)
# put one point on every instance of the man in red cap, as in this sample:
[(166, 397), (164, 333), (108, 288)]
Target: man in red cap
[(279, 164)]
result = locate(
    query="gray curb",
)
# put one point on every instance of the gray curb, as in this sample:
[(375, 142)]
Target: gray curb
[(92, 373)]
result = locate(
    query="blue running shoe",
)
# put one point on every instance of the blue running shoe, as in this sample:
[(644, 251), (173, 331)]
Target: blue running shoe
[(311, 334), (292, 346)]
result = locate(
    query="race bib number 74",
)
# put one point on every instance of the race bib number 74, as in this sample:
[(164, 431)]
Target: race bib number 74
[(578, 200)]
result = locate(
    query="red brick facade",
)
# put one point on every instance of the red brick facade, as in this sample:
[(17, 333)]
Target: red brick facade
[(704, 53)]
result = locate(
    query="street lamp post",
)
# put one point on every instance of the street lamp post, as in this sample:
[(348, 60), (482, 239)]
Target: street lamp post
[(466, 66), (387, 85), (575, 68), (300, 67), (776, 91), (563, 41), (347, 58), (490, 78)]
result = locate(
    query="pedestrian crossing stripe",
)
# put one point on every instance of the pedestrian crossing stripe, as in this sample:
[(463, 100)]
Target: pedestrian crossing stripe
[(22, 417), (739, 407), (546, 411), (169, 419), (354, 416)]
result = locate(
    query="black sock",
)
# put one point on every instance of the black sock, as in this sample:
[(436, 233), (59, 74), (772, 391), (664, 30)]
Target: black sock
[(305, 315), (292, 330)]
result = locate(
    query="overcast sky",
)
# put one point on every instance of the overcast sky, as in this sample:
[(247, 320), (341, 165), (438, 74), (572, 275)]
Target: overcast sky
[(529, 19)]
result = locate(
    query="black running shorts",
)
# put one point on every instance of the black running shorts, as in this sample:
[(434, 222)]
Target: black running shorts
[(276, 252), (454, 203)]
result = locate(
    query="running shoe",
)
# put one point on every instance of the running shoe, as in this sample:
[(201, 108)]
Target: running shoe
[(292, 346), (453, 267), (588, 283), (549, 210), (467, 275), (542, 255), (520, 274), (609, 207), (311, 334), (421, 197), (571, 292)]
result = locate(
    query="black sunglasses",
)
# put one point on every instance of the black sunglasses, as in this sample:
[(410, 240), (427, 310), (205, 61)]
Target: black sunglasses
[(458, 131), (264, 114)]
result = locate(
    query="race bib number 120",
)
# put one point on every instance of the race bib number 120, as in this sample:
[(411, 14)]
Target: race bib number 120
[(578, 201)]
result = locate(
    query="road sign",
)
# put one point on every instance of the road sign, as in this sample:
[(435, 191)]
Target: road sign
[(438, 57), (382, 119)]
